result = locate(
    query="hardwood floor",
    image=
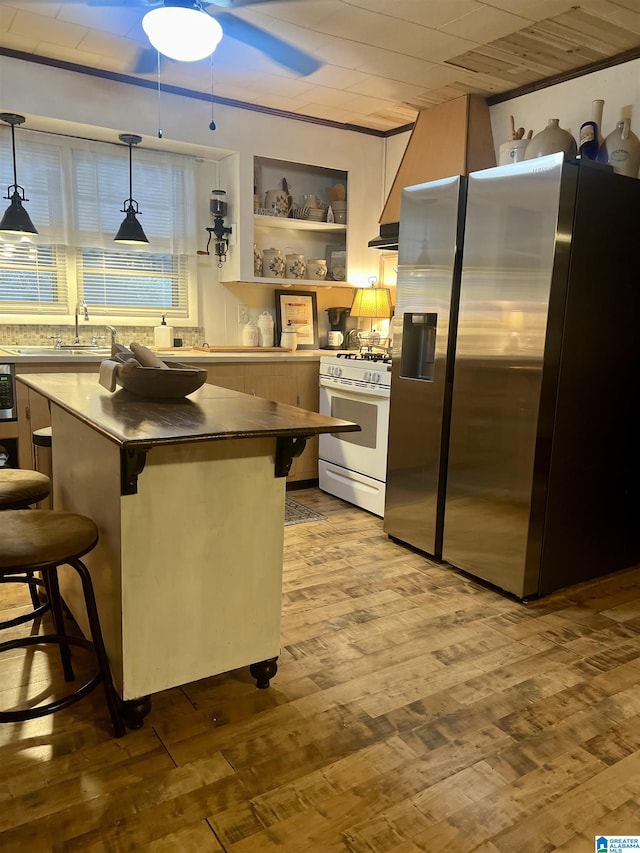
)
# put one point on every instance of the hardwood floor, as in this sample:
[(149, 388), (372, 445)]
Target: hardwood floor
[(414, 710)]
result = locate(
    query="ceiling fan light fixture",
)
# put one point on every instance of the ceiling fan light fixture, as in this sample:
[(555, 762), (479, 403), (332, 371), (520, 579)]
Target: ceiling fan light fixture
[(184, 31)]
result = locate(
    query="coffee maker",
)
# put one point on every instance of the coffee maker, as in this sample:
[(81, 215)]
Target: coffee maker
[(340, 324)]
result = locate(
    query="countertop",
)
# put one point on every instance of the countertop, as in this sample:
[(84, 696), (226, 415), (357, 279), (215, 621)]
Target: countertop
[(210, 413), (183, 354)]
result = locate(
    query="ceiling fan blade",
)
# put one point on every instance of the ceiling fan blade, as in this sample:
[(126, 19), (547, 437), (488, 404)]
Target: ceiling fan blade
[(147, 61), (276, 48)]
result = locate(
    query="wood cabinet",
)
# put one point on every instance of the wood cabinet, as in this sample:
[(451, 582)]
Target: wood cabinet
[(295, 384), (283, 382), (33, 408)]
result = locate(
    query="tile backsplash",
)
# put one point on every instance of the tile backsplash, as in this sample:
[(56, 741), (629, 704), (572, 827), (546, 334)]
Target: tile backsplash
[(17, 335)]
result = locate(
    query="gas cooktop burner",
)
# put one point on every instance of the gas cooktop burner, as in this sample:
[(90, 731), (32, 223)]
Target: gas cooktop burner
[(382, 357)]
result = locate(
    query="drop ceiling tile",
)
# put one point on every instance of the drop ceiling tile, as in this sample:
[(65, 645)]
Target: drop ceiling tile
[(69, 54), (388, 90), (105, 44), (118, 20), (334, 77), (6, 17), (325, 95), (427, 13), (403, 37), (408, 69), (19, 42), (365, 104), (49, 30), (486, 24), (535, 10), (49, 10)]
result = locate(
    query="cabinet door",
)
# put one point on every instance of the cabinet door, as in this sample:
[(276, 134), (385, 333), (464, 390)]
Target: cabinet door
[(226, 376), (33, 413), (305, 467)]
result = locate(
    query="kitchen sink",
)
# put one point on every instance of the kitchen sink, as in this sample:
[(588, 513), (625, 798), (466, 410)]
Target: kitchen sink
[(62, 351)]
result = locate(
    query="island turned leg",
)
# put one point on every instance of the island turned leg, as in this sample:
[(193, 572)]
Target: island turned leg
[(264, 671), (134, 711)]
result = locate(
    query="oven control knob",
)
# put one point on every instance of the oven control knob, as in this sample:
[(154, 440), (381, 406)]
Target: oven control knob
[(376, 377)]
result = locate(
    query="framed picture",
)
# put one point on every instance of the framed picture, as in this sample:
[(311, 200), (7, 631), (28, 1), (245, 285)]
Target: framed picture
[(297, 310), (336, 263)]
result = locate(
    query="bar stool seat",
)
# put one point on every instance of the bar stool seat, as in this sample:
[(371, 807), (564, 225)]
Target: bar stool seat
[(20, 488), (40, 541)]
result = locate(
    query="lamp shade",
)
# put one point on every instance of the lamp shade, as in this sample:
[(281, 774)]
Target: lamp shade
[(130, 231), (371, 302), (183, 32), (16, 220)]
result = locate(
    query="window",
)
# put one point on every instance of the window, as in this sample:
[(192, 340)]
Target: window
[(75, 190)]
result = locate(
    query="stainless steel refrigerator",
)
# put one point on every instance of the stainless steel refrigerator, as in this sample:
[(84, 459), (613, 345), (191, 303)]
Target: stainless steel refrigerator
[(515, 399)]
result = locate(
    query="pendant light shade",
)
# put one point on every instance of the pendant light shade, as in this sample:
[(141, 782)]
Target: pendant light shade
[(130, 231), (182, 30), (16, 220)]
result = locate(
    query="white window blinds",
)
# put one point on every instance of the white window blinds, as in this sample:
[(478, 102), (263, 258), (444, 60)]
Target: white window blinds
[(76, 189)]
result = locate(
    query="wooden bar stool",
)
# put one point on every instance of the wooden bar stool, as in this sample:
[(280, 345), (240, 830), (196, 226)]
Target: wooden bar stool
[(19, 489), (40, 541)]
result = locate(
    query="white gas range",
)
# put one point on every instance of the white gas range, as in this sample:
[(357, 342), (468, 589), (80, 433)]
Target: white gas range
[(356, 386)]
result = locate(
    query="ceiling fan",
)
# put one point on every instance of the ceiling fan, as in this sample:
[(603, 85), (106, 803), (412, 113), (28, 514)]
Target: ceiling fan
[(188, 30)]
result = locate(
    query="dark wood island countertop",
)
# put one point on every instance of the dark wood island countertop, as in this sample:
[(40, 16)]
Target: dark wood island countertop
[(210, 413)]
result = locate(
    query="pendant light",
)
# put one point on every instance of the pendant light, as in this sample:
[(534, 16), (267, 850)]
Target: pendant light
[(182, 30), (130, 231), (16, 220)]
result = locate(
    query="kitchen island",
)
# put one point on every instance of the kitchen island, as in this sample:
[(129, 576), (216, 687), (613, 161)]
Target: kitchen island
[(188, 496)]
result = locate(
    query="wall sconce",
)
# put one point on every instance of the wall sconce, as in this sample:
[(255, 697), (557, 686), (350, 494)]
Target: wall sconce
[(16, 220), (218, 208), (130, 231)]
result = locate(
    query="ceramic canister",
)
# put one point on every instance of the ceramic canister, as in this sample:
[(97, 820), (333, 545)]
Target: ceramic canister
[(512, 151), (295, 266), (277, 201), (289, 339), (265, 329), (622, 149), (316, 269), (551, 140), (273, 265), (250, 335)]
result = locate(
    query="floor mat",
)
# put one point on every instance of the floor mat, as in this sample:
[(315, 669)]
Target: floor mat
[(295, 513)]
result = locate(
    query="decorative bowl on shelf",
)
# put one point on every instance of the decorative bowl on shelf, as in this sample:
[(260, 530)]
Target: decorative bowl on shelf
[(263, 211), (300, 212)]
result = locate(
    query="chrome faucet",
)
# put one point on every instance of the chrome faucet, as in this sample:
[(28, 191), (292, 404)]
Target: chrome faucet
[(113, 332), (80, 306)]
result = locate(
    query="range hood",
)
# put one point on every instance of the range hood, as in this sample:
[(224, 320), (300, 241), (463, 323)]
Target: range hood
[(453, 138)]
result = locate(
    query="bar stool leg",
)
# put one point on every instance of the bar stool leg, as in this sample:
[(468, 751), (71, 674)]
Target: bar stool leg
[(98, 644), (53, 593)]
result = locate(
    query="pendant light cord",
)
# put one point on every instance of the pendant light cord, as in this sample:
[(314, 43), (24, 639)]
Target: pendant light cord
[(13, 149), (159, 121), (130, 175)]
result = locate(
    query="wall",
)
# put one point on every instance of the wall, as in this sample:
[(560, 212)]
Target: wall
[(69, 102), (619, 86)]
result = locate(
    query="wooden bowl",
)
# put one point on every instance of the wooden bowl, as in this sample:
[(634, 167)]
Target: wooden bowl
[(155, 382)]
